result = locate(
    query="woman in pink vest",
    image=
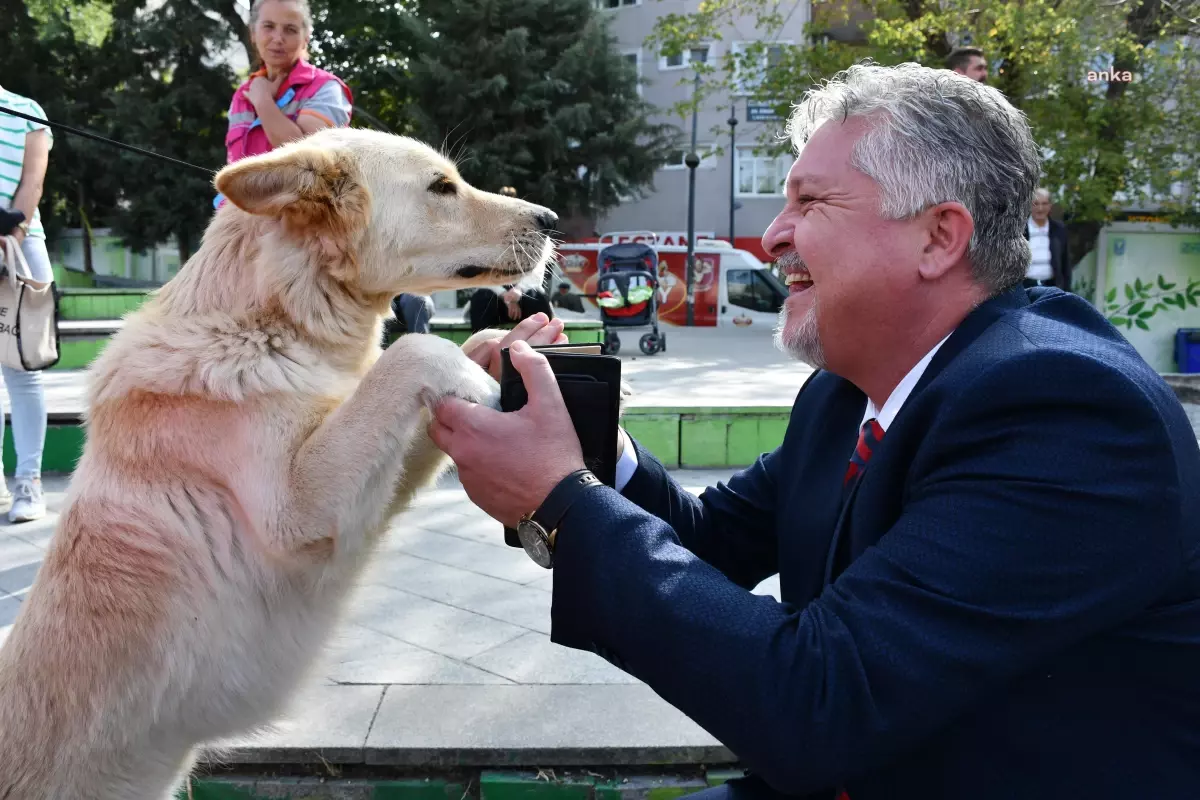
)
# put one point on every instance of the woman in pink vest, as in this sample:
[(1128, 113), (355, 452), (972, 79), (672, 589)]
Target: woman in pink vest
[(286, 98)]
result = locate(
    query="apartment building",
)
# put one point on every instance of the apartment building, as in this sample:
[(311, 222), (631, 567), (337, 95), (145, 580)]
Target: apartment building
[(738, 177)]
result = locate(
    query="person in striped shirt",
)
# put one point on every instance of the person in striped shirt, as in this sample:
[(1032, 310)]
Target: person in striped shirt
[(24, 155)]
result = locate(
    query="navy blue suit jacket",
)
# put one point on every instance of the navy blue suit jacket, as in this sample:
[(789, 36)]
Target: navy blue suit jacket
[(1021, 615)]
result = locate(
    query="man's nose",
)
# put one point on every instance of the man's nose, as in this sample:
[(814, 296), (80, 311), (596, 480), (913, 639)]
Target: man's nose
[(777, 238)]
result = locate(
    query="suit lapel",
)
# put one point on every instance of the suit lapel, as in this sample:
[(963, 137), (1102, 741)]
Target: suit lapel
[(816, 490), (972, 326)]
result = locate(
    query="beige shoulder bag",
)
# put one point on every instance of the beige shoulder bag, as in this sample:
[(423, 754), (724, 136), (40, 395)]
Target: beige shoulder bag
[(28, 314)]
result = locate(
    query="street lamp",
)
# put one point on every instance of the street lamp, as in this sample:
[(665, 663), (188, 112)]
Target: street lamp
[(733, 121), (698, 56)]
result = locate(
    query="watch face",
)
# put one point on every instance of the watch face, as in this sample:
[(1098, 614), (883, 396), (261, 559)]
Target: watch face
[(533, 539)]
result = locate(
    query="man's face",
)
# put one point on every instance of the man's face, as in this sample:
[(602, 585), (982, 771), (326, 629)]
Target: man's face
[(1041, 210), (848, 270), (976, 69)]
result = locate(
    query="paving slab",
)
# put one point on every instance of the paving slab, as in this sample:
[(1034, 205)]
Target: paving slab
[(431, 625), (529, 725), (325, 723), (358, 655), (534, 659)]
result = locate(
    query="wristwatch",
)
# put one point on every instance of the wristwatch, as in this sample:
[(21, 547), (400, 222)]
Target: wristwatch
[(537, 530)]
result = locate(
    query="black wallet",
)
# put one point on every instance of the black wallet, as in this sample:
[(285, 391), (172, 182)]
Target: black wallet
[(591, 389)]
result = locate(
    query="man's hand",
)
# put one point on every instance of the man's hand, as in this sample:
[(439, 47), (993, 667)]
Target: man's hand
[(262, 91), (509, 462), (537, 330)]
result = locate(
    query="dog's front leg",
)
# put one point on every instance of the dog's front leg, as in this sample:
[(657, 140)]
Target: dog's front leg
[(422, 466), (425, 461), (345, 476)]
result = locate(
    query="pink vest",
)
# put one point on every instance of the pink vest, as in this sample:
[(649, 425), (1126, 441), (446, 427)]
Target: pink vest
[(245, 138)]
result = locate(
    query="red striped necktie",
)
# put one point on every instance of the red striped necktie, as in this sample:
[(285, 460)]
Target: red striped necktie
[(868, 439)]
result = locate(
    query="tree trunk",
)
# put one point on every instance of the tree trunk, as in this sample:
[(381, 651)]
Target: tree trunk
[(87, 232), (184, 239), (227, 9)]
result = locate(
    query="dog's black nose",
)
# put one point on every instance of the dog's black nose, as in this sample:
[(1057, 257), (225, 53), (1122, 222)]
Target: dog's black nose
[(546, 221)]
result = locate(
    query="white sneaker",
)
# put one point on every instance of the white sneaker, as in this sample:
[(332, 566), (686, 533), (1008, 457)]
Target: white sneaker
[(29, 503)]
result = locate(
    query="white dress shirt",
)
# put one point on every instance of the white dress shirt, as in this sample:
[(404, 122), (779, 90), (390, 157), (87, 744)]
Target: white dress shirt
[(628, 462), (891, 407), (1040, 268)]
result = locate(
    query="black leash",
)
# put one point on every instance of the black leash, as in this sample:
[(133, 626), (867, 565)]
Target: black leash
[(140, 151), (122, 145)]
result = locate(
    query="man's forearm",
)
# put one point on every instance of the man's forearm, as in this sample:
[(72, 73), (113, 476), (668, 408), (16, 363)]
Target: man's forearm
[(731, 526)]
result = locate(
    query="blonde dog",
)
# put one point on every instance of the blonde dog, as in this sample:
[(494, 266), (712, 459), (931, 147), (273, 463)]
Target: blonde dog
[(247, 445)]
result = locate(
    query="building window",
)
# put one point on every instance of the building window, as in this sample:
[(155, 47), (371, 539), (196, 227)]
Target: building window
[(604, 5), (707, 153), (634, 59), (760, 175), (684, 59), (748, 76)]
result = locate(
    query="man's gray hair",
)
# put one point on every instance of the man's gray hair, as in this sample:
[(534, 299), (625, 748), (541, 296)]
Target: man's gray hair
[(938, 137)]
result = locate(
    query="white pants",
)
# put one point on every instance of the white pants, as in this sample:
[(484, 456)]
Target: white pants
[(26, 394)]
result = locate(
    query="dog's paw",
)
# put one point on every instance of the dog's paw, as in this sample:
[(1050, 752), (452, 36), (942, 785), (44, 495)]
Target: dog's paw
[(438, 368), (476, 386)]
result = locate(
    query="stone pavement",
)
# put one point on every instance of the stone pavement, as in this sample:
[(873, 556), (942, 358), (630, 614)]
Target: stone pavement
[(444, 658)]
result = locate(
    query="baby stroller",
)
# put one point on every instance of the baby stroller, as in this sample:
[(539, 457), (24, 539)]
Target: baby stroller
[(627, 293)]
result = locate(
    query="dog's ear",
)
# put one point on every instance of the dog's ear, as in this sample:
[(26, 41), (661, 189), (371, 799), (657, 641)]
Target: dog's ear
[(317, 192), (292, 175)]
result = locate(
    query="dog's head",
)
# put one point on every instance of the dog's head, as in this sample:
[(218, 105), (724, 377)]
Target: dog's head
[(388, 214)]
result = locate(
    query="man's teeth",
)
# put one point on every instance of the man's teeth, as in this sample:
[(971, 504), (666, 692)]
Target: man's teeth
[(797, 277)]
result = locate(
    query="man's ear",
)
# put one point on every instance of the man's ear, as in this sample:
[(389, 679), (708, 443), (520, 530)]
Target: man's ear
[(950, 228)]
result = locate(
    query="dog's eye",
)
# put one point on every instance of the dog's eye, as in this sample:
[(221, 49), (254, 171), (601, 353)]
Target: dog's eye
[(443, 186)]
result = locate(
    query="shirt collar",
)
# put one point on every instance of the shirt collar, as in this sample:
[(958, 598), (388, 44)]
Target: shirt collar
[(891, 407)]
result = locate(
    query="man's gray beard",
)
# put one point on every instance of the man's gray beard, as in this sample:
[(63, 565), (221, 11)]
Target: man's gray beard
[(804, 343)]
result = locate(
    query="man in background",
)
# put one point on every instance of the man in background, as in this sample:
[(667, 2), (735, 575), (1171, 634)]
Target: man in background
[(968, 61), (1050, 262), (563, 298)]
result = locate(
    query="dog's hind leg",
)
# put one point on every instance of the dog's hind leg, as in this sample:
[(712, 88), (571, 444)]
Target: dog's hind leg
[(345, 476)]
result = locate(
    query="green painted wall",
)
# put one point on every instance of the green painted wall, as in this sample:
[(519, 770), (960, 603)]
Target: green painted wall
[(99, 304)]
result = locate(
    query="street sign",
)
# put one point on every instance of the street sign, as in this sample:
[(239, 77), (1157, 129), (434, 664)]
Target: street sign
[(760, 112)]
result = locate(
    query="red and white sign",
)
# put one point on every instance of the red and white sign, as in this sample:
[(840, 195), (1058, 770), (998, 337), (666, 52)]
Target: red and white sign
[(665, 238)]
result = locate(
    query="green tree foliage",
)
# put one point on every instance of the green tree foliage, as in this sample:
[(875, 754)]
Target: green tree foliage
[(524, 93), (170, 101), (368, 44), (141, 75), (1110, 88)]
